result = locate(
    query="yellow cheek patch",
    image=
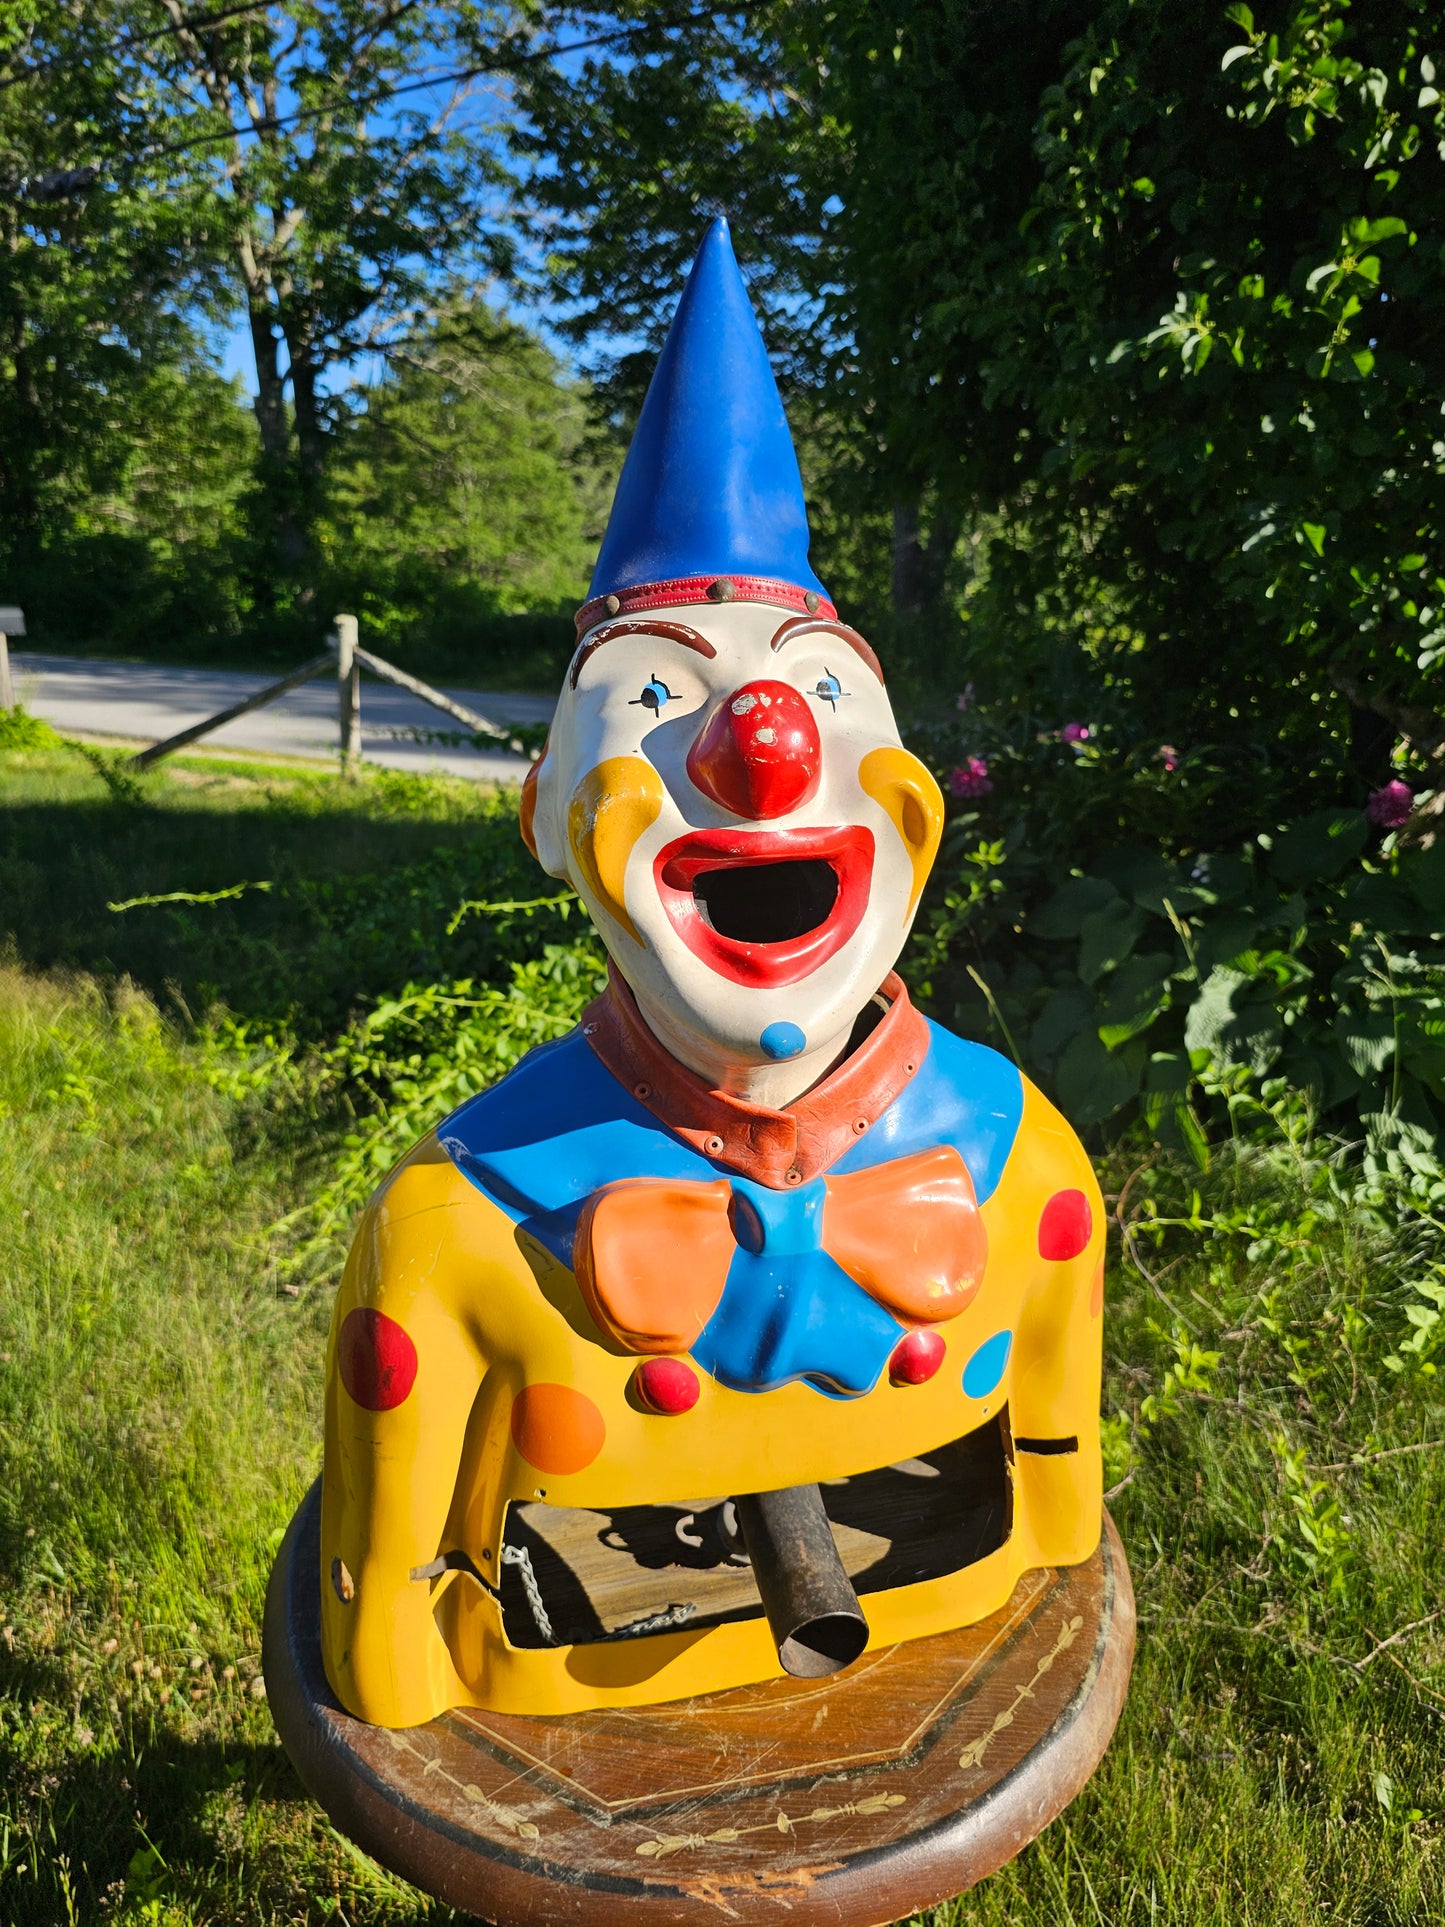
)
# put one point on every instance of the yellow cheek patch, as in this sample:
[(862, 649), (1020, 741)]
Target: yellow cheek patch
[(611, 807), (900, 784)]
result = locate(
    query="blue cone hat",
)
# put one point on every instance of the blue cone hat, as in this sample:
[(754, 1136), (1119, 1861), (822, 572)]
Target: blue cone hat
[(710, 495)]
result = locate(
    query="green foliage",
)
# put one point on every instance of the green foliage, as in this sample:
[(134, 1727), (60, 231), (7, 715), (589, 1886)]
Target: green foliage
[(458, 492), (20, 730), (172, 1195), (94, 278), (1139, 973), (1155, 987), (1143, 308), (166, 548), (411, 1060), (143, 502)]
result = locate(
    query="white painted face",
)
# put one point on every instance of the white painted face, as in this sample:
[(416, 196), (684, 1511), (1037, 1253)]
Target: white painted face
[(725, 788)]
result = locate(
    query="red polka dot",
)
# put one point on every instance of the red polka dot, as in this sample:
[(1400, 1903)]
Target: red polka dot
[(377, 1360), (666, 1386), (1066, 1226), (916, 1357)]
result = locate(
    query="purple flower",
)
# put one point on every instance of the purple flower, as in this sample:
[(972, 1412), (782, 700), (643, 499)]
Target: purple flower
[(965, 698), (1168, 755), (1074, 733), (1388, 808), (970, 779)]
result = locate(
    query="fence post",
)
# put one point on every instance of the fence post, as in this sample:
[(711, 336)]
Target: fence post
[(348, 691), (12, 623)]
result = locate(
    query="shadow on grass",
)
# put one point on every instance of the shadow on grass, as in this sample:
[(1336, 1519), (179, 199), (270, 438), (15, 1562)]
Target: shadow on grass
[(360, 887), (217, 1828)]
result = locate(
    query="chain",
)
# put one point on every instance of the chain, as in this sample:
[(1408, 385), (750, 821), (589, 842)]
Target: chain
[(519, 1557)]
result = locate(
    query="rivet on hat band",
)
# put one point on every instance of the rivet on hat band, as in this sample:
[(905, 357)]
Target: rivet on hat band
[(703, 588)]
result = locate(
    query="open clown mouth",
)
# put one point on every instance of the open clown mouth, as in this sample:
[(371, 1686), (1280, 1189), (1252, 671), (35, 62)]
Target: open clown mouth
[(766, 907)]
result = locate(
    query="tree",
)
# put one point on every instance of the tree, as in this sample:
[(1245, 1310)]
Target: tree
[(458, 489), (1201, 325), (738, 113), (343, 209), (100, 265), (1148, 302)]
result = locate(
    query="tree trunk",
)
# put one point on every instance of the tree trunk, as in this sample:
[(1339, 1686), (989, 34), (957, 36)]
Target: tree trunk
[(278, 476), (1372, 741), (310, 435), (920, 569)]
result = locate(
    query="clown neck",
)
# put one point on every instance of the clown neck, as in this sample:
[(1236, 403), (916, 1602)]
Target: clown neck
[(772, 1086)]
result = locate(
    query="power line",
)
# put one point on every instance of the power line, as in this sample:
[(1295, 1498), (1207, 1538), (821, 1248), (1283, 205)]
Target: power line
[(60, 184), (498, 65)]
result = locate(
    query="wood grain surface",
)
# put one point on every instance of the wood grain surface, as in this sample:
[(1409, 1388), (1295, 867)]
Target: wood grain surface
[(853, 1800)]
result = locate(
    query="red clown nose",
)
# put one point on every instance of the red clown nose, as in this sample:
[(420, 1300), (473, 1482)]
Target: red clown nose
[(759, 755)]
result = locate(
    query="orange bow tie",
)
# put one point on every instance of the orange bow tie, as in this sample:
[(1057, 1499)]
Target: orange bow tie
[(652, 1255)]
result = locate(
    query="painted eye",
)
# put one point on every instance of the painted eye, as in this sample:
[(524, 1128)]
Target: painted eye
[(829, 689), (655, 693)]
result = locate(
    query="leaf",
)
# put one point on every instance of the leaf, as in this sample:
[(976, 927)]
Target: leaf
[(1380, 904), (1423, 875), (1093, 1083), (1366, 1041), (1219, 940), (1145, 876), (1065, 1013), (1137, 991), (1236, 1021), (1107, 936), (1166, 1107), (1216, 879), (1064, 913), (1319, 847)]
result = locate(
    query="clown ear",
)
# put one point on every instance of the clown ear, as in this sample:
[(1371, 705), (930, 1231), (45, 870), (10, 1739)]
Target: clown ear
[(538, 816)]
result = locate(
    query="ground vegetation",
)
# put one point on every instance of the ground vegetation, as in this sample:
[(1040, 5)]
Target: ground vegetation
[(233, 993)]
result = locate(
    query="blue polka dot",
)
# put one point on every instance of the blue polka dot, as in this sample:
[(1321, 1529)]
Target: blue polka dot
[(782, 1040), (984, 1370)]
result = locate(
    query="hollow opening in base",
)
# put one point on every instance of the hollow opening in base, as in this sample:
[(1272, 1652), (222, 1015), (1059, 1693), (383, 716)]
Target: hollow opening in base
[(629, 1572)]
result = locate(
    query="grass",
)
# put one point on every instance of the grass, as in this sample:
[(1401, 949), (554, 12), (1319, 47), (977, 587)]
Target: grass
[(159, 1395), (348, 885)]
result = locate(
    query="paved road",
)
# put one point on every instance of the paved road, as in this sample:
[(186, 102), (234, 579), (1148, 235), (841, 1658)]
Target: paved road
[(145, 702)]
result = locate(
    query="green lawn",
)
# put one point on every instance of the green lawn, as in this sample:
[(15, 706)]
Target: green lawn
[(160, 1358)]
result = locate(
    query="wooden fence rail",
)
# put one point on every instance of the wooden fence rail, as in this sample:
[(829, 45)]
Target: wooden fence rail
[(318, 666), (346, 659)]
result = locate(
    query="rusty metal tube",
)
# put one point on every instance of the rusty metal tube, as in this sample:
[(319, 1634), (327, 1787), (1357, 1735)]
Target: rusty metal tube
[(809, 1599)]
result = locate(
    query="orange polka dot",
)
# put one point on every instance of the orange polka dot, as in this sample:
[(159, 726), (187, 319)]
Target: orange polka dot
[(1096, 1296), (557, 1429)]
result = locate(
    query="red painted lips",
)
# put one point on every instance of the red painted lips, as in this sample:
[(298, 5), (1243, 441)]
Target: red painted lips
[(766, 907)]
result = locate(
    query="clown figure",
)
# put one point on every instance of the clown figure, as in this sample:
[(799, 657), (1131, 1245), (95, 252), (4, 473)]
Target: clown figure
[(754, 1225)]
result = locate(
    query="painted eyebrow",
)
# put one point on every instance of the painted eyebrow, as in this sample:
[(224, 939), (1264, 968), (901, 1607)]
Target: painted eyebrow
[(808, 625), (673, 631)]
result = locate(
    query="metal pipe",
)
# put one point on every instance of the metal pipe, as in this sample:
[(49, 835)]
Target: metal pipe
[(809, 1599)]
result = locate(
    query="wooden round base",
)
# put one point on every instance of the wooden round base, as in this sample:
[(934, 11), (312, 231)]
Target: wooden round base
[(852, 1800)]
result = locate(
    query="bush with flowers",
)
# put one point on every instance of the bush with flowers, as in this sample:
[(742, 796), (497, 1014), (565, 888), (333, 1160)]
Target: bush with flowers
[(1149, 934)]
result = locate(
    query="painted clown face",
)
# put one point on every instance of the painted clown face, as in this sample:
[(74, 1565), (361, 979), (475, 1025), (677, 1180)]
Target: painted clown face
[(725, 788)]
